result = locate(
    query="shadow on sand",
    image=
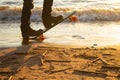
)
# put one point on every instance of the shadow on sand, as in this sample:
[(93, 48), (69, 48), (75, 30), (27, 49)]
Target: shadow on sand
[(12, 59)]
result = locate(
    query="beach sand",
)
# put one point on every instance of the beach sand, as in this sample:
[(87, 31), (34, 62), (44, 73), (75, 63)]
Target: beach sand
[(58, 62)]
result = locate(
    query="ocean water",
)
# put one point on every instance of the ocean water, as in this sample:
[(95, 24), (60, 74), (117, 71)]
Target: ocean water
[(69, 3), (98, 22)]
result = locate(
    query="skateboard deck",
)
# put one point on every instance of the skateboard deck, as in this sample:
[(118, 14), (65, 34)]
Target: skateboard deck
[(72, 13)]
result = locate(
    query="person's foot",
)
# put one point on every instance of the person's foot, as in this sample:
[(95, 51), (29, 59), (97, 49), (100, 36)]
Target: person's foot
[(55, 20), (32, 32), (35, 33), (50, 21)]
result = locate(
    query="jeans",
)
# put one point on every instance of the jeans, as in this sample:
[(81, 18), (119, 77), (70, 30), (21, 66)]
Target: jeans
[(26, 14)]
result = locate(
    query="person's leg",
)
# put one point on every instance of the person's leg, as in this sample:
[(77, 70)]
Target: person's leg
[(47, 9), (25, 18), (25, 22), (46, 14)]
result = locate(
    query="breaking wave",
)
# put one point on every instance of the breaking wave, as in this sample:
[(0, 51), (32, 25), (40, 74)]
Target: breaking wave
[(14, 14)]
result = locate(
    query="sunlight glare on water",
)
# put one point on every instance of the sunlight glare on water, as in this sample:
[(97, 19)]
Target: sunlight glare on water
[(85, 34)]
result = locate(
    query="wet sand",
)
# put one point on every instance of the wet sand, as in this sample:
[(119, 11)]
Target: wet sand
[(53, 62)]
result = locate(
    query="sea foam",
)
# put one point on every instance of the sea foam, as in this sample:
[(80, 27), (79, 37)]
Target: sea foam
[(99, 14)]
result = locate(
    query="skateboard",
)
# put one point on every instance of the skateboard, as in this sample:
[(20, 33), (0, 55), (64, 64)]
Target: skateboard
[(36, 38)]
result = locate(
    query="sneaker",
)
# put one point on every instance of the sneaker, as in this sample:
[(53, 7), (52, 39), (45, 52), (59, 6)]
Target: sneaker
[(32, 32), (49, 22), (55, 20), (35, 33)]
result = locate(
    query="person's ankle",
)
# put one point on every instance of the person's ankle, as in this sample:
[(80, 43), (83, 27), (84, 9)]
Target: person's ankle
[(25, 41)]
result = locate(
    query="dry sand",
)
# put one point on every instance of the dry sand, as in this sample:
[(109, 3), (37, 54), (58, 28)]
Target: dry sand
[(50, 62)]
